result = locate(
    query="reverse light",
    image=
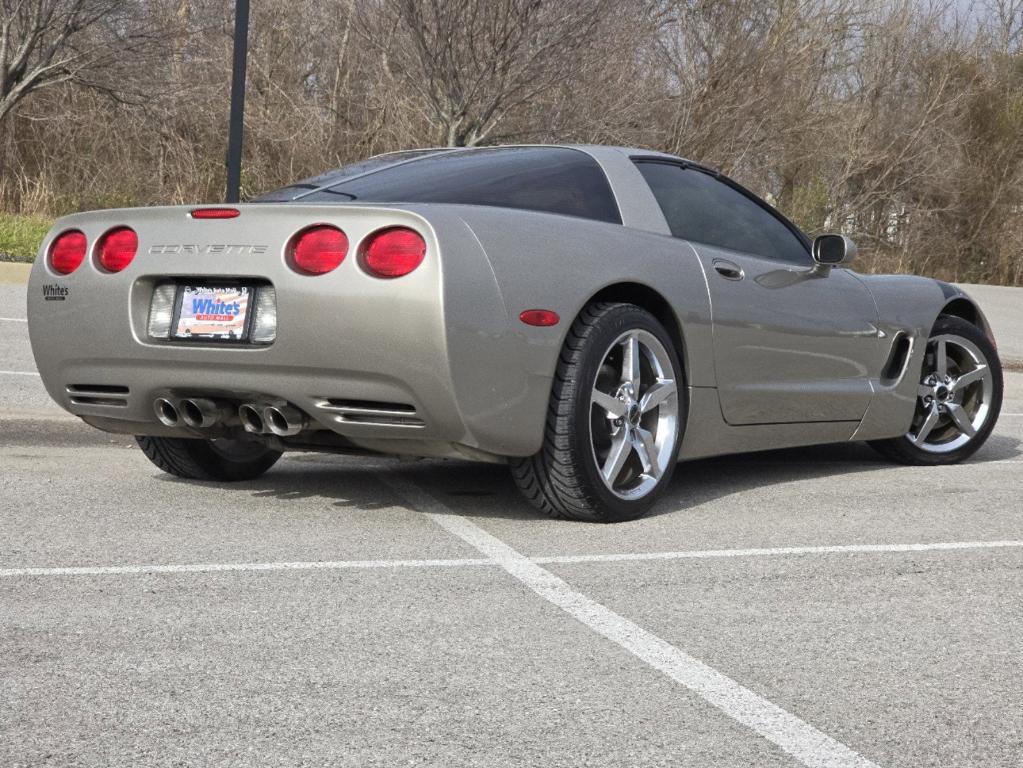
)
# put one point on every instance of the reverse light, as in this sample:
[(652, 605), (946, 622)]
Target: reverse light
[(264, 323), (161, 310), (214, 213), (317, 250), (393, 252), (67, 252), (117, 248), (540, 317)]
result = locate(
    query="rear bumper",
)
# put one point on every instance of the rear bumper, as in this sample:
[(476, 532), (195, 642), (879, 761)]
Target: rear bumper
[(356, 404)]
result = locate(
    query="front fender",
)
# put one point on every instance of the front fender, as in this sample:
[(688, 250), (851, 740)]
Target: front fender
[(909, 306)]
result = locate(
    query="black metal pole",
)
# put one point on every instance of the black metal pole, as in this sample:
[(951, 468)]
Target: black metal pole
[(236, 126)]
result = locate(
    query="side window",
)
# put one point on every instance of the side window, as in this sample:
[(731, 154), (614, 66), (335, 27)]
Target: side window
[(700, 208)]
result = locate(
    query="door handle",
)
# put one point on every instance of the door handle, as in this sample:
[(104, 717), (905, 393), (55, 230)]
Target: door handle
[(728, 270)]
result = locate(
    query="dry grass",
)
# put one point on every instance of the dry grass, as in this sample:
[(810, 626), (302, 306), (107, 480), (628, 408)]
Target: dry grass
[(20, 236)]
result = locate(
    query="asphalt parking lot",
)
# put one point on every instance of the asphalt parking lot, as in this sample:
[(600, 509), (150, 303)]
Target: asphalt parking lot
[(803, 607)]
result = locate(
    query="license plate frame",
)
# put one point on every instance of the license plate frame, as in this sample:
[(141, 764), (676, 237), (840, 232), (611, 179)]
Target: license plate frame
[(217, 328)]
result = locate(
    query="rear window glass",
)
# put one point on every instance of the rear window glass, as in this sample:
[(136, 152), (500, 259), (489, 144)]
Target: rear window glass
[(299, 188), (547, 179)]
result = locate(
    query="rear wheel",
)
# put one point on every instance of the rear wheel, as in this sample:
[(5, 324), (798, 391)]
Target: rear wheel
[(958, 399), (225, 459), (614, 423)]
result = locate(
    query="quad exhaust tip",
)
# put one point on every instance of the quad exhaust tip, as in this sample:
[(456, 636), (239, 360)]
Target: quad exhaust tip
[(251, 416), (166, 412), (284, 420), (202, 412)]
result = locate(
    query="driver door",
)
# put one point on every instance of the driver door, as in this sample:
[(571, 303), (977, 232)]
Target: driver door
[(791, 344)]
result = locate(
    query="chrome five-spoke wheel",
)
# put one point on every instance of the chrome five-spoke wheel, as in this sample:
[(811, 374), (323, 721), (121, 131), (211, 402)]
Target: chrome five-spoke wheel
[(615, 420), (958, 397), (954, 397), (634, 414)]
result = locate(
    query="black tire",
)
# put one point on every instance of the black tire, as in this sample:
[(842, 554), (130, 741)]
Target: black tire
[(903, 451), (196, 459), (562, 479)]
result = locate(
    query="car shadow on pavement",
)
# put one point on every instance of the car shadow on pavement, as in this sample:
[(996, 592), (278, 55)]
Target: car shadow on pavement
[(343, 482), (487, 490), (706, 480)]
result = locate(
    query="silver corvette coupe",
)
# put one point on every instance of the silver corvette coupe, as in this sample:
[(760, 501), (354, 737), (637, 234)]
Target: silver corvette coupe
[(589, 315)]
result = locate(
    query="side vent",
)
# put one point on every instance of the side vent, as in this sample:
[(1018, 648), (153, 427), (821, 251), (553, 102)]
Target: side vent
[(372, 412), (897, 359), (98, 394)]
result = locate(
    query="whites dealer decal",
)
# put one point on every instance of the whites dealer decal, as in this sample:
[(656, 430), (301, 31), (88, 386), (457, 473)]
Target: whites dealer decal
[(54, 292)]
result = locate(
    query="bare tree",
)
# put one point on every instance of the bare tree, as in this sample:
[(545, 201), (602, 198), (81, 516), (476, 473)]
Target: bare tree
[(47, 42), (473, 62), (1006, 17)]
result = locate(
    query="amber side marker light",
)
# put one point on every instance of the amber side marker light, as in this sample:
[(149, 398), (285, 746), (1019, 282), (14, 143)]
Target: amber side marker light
[(540, 317)]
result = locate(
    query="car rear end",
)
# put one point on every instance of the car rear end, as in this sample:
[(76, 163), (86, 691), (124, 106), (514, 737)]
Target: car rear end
[(318, 326)]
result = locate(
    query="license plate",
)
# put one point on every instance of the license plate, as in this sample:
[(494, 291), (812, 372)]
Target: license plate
[(218, 313)]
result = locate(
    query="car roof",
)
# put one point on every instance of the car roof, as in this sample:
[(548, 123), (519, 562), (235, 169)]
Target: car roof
[(630, 151), (599, 152)]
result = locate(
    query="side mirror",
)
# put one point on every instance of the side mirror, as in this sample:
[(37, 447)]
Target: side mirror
[(833, 250)]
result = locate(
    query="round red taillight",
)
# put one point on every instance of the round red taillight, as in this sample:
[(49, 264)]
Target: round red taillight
[(117, 248), (67, 251), (318, 250), (393, 252)]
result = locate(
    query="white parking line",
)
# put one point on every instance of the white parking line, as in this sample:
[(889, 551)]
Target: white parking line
[(18, 373), (737, 460), (328, 565), (795, 736), (707, 554), (13, 319)]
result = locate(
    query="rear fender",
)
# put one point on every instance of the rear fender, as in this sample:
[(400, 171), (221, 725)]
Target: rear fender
[(542, 261)]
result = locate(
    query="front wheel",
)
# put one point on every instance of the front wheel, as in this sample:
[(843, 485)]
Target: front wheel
[(224, 459), (615, 419), (958, 398)]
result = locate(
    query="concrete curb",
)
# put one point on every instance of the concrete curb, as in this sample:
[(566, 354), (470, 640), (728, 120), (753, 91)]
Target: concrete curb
[(14, 272)]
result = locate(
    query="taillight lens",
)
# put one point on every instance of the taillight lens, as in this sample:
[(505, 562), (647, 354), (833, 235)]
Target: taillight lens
[(117, 248), (67, 252), (318, 250), (393, 252)]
